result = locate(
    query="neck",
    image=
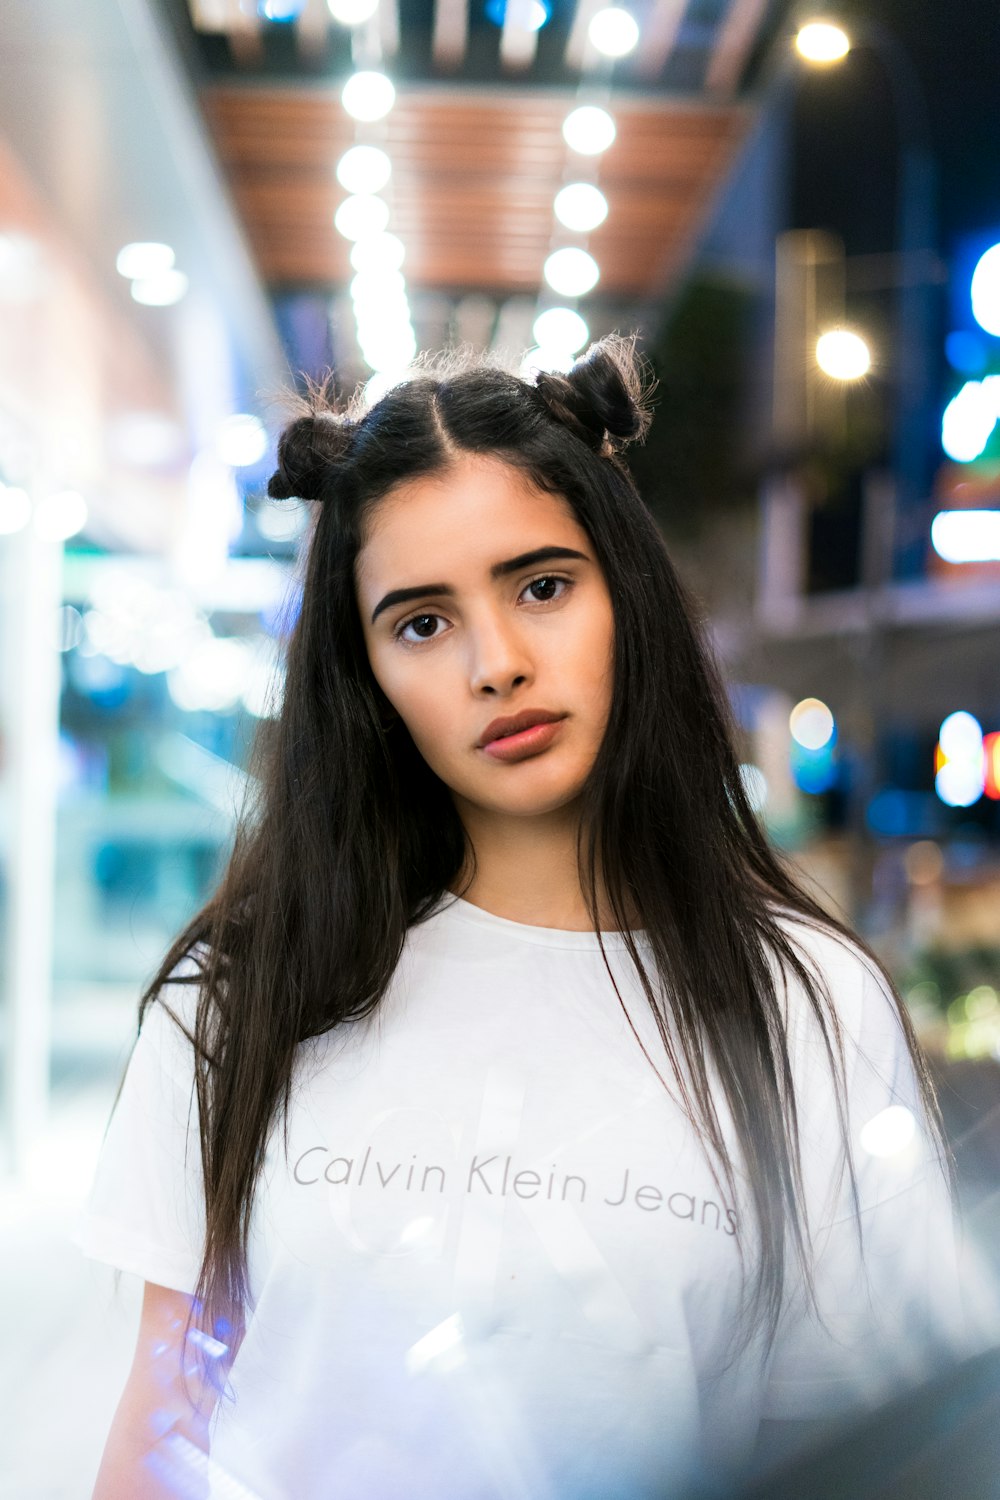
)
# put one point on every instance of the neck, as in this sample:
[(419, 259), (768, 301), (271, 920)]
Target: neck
[(526, 869)]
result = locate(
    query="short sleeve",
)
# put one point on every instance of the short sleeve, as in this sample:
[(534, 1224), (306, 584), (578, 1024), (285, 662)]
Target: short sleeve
[(891, 1304), (145, 1209)]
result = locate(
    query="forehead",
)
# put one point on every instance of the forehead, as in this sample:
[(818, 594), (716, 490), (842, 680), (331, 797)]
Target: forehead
[(469, 515)]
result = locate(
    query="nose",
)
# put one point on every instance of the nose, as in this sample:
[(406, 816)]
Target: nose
[(499, 656)]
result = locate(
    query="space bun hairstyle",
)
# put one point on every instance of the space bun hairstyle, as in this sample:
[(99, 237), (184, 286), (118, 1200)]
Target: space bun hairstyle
[(469, 400), (308, 449), (605, 398)]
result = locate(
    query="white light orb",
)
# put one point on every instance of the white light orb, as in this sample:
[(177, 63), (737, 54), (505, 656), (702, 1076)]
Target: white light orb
[(282, 523), (613, 31), (378, 289), (15, 509), (389, 344), (212, 676), (162, 290), (360, 215), (547, 359), (822, 42), (581, 206), (561, 328), (961, 536), (959, 783), (589, 130), (986, 291), (888, 1132), (843, 355), (525, 15), (811, 724), (378, 252), (968, 421), (571, 272), (381, 383), (61, 515), (364, 169), (241, 441), (144, 258), (146, 439), (368, 95), (961, 737), (352, 12)]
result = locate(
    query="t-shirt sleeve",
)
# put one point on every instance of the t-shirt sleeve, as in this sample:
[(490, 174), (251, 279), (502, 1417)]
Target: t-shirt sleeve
[(145, 1208), (891, 1305)]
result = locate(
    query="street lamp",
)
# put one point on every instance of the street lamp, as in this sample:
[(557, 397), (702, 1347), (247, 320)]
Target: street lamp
[(822, 42), (843, 354)]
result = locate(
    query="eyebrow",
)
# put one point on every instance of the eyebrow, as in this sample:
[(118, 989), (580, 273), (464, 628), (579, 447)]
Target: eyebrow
[(498, 570)]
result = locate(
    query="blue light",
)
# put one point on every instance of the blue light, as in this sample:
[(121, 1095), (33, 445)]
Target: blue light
[(813, 771), (527, 15), (966, 352), (985, 290), (895, 813), (280, 10)]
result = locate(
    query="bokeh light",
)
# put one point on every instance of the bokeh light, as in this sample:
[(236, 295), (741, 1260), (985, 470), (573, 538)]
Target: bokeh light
[(822, 42), (61, 515), (241, 441), (352, 12), (561, 328), (364, 169), (161, 290), (843, 355), (580, 206), (571, 272), (960, 536), (378, 252), (811, 724), (360, 215), (144, 258), (589, 130), (614, 31), (986, 291), (368, 95)]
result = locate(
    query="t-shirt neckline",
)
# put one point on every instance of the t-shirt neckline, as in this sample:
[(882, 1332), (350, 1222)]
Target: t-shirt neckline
[(547, 937)]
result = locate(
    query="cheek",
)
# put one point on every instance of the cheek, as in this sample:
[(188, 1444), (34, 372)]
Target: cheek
[(596, 657), (421, 702)]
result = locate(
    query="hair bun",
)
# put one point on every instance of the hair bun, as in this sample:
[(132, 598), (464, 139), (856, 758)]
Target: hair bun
[(605, 397), (307, 449)]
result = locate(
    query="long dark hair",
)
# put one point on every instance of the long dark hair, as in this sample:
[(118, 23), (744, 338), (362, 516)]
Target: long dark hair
[(351, 838)]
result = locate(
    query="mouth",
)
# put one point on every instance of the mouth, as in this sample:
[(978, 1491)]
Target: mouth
[(524, 742), (516, 724)]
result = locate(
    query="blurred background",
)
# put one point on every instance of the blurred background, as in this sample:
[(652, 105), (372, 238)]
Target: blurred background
[(202, 202)]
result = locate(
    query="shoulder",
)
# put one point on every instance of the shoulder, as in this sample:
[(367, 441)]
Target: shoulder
[(860, 1011), (859, 989)]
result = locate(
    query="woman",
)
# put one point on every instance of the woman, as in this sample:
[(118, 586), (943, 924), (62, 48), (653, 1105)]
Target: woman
[(567, 1198)]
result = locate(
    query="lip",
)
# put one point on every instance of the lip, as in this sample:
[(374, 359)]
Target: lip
[(530, 741), (515, 723)]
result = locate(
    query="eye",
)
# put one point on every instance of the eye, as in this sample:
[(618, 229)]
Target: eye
[(534, 583)]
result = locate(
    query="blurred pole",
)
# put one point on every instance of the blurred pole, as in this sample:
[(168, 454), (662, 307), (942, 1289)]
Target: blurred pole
[(916, 235), (869, 651), (30, 596)]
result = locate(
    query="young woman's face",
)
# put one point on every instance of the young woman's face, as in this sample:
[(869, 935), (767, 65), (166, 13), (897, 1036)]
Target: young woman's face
[(488, 632)]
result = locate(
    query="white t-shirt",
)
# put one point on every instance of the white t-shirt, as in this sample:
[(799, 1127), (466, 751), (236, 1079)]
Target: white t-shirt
[(495, 1263)]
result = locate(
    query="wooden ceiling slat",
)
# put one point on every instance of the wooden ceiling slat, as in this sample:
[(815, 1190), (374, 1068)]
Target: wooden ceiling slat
[(474, 177)]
